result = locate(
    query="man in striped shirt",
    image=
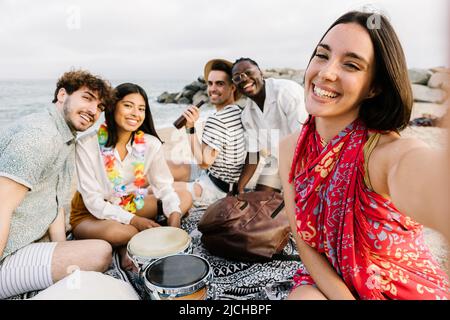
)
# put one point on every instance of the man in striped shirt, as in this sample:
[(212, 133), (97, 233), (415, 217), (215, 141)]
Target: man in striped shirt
[(221, 152)]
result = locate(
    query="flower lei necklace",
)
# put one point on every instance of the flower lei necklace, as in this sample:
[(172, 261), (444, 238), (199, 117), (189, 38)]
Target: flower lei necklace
[(128, 201)]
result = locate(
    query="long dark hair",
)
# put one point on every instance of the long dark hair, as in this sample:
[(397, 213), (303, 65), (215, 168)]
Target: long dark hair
[(391, 108), (120, 92)]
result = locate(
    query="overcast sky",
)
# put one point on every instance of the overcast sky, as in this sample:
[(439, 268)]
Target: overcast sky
[(170, 39)]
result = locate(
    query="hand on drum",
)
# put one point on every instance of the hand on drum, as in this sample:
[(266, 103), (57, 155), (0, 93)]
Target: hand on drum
[(142, 223)]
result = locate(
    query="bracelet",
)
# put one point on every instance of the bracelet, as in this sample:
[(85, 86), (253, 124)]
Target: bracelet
[(190, 130)]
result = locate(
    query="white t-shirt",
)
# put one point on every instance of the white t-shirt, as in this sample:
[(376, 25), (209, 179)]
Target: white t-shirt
[(97, 190), (284, 113)]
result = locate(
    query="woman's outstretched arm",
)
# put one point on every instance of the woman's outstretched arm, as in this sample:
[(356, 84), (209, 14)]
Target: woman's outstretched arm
[(415, 177)]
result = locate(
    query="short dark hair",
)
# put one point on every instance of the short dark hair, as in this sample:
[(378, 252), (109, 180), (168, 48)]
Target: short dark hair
[(120, 92), (248, 60), (391, 108), (73, 80), (221, 66)]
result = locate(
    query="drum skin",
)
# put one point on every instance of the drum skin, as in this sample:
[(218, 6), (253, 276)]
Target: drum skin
[(178, 277), (148, 245), (159, 242)]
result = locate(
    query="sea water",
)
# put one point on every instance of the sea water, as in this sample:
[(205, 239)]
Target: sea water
[(22, 97)]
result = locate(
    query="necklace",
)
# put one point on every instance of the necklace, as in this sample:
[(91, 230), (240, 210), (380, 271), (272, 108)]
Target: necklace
[(130, 201)]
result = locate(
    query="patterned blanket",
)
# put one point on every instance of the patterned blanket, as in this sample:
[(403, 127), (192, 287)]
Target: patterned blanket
[(232, 280)]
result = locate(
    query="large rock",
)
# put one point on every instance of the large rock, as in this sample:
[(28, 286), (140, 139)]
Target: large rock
[(195, 86), (440, 80), (184, 100), (424, 94), (188, 94), (178, 96), (166, 97), (163, 97), (200, 95), (419, 76)]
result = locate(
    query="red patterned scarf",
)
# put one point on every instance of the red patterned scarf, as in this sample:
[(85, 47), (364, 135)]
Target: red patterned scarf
[(378, 252)]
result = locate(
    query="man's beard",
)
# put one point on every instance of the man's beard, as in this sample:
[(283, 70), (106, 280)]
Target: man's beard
[(66, 113)]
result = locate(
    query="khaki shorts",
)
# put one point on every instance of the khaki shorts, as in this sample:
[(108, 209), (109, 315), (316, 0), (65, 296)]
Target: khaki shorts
[(78, 211)]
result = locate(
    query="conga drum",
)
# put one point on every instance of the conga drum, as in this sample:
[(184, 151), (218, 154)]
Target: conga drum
[(151, 244)]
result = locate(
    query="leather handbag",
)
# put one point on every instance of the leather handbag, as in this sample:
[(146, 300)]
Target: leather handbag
[(249, 227)]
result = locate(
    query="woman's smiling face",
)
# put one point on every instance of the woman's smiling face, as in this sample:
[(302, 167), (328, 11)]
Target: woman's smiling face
[(340, 75), (130, 112)]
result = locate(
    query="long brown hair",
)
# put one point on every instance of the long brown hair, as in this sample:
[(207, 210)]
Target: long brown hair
[(391, 108)]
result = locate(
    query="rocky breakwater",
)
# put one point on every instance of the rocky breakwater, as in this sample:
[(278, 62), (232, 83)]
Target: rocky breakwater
[(431, 92), (428, 85), (190, 94)]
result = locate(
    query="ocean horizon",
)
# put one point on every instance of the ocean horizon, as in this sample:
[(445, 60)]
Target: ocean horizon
[(19, 98)]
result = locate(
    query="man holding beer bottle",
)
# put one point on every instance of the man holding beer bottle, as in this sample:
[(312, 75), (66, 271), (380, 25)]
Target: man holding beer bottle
[(221, 152)]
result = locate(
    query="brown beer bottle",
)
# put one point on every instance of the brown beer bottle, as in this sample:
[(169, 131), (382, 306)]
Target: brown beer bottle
[(181, 121)]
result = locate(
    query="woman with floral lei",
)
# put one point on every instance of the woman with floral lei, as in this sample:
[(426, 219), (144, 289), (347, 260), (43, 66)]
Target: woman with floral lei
[(115, 165), (355, 191)]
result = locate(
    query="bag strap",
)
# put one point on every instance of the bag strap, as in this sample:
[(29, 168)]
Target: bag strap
[(274, 213), (286, 257), (277, 210)]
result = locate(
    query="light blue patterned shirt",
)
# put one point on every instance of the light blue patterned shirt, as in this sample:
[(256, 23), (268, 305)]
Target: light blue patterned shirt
[(37, 151)]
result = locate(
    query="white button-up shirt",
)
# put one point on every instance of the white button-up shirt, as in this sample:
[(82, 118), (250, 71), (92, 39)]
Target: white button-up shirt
[(97, 190), (284, 113)]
